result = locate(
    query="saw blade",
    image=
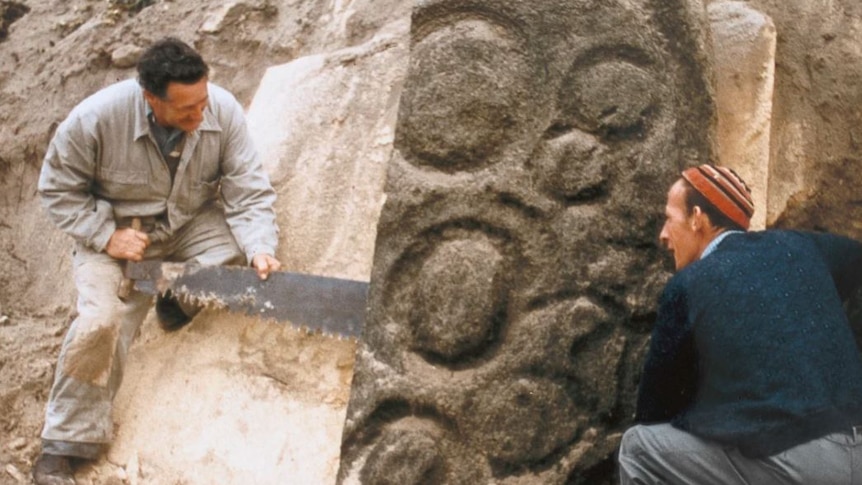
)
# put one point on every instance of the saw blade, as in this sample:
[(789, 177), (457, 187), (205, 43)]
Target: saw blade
[(330, 305)]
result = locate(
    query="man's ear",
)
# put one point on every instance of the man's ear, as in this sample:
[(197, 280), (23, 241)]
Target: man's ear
[(697, 218), (150, 97)]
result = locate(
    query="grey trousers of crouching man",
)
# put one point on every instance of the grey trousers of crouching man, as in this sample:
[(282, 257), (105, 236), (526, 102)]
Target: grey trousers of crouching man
[(662, 454), (90, 366)]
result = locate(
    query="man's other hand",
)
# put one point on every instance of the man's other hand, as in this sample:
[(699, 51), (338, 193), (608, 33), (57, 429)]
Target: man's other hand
[(264, 264), (127, 243)]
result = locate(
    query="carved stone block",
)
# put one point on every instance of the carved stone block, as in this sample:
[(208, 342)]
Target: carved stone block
[(517, 265)]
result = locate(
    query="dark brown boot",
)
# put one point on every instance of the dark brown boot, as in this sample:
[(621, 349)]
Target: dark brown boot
[(170, 315), (53, 470)]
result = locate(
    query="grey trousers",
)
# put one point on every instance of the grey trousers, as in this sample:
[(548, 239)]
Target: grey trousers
[(91, 362), (662, 454)]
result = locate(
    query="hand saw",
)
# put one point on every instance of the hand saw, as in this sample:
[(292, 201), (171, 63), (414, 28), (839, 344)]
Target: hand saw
[(331, 305)]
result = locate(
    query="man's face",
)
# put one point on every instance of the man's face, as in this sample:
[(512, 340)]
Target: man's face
[(182, 107), (678, 234)]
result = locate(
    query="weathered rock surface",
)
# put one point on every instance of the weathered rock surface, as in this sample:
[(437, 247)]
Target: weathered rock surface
[(232, 400), (815, 160), (744, 58), (516, 263), (324, 125)]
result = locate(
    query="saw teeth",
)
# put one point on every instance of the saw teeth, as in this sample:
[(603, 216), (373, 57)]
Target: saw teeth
[(331, 335)]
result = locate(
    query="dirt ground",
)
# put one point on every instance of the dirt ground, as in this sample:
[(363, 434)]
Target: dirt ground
[(28, 349)]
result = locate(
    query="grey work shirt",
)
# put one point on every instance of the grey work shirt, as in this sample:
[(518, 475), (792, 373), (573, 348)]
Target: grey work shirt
[(103, 165)]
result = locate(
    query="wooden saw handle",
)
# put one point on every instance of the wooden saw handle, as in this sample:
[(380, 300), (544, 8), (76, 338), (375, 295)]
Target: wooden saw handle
[(126, 283)]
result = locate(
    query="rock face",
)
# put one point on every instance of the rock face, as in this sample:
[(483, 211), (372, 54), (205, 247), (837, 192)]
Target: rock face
[(233, 400), (814, 175), (516, 264), (324, 126), (744, 57)]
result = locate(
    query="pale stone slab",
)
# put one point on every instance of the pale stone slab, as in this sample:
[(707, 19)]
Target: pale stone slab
[(744, 42), (325, 126)]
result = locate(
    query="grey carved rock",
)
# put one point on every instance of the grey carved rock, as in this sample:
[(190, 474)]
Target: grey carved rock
[(516, 265)]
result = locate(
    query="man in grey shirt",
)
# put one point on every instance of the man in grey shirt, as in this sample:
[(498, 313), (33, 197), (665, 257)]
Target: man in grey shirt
[(173, 151)]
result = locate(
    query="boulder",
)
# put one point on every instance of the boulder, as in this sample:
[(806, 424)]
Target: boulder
[(516, 265)]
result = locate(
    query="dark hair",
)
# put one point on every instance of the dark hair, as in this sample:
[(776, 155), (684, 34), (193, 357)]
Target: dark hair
[(716, 217), (169, 60)]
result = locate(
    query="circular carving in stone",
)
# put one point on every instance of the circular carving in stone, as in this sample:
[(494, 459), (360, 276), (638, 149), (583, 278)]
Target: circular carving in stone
[(614, 99), (521, 420), (465, 97), (404, 457), (606, 107), (571, 167), (459, 298)]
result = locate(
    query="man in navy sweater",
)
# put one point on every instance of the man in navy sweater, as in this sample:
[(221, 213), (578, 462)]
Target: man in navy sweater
[(753, 375)]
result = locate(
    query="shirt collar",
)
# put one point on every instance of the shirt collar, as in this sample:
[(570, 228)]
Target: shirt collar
[(142, 127), (711, 247)]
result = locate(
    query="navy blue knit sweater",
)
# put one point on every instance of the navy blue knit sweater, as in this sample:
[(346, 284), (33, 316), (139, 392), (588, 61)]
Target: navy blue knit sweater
[(752, 347)]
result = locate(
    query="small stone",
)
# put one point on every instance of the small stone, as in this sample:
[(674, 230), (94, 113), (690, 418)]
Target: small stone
[(215, 21), (17, 444), (126, 56), (15, 473)]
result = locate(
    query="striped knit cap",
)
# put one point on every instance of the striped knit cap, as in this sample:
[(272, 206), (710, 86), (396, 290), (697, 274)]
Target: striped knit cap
[(723, 187)]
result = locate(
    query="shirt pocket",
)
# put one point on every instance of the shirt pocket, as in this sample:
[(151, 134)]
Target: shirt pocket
[(199, 193), (123, 184)]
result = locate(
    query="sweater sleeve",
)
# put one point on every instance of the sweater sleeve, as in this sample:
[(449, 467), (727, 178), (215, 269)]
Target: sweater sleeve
[(669, 378), (843, 256)]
